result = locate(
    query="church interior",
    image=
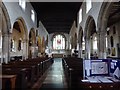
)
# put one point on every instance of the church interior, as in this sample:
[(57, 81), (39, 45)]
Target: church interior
[(60, 45)]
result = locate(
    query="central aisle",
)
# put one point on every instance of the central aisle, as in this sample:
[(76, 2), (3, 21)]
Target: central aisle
[(55, 76)]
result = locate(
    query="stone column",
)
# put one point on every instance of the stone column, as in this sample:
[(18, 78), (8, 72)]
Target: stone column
[(102, 44), (6, 47), (34, 52), (79, 55), (25, 48), (87, 48), (80, 50), (0, 32)]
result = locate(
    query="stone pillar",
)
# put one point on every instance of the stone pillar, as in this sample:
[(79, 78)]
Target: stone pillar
[(79, 55), (6, 47), (87, 48), (102, 44), (80, 50), (25, 49), (34, 52)]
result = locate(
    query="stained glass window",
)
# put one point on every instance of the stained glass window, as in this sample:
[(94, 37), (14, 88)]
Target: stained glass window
[(58, 42)]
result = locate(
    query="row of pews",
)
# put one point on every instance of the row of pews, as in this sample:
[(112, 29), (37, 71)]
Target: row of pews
[(73, 70), (24, 73)]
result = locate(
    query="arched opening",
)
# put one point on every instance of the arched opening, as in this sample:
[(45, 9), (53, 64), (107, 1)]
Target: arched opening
[(5, 27), (109, 22), (91, 38), (32, 44), (19, 40)]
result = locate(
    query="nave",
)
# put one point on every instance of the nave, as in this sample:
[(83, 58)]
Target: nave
[(85, 35), (55, 77)]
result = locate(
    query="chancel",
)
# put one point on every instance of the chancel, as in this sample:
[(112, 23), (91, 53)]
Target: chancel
[(60, 45)]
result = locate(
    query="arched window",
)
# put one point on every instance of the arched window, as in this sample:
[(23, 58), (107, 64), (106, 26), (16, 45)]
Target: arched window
[(59, 42)]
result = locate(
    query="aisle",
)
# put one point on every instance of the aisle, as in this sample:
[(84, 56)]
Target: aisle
[(55, 76)]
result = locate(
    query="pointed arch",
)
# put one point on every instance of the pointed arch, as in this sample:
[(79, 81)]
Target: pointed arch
[(90, 30), (19, 39), (23, 27), (90, 27), (6, 24)]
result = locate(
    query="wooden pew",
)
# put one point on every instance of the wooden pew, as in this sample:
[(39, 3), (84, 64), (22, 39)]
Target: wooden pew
[(27, 71), (21, 79), (73, 69)]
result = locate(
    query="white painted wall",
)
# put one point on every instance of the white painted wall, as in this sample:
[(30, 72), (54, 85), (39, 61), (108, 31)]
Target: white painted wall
[(15, 11), (42, 31), (94, 12), (72, 33)]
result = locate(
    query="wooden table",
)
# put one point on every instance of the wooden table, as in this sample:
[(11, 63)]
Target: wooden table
[(12, 79)]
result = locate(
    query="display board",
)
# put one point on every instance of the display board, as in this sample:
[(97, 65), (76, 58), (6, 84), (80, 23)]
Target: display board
[(115, 68), (96, 67), (99, 67)]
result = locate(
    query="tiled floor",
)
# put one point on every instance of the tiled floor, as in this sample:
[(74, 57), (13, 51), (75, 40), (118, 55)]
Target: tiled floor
[(55, 76)]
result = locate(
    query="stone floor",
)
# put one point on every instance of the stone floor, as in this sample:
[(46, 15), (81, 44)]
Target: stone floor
[(55, 78)]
